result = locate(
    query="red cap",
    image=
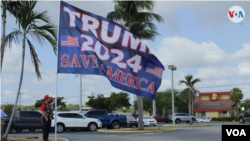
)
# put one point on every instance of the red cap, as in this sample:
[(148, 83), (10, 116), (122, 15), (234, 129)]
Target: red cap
[(46, 97)]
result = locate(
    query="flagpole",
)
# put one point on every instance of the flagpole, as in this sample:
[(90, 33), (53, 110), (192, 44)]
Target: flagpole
[(56, 108), (57, 70)]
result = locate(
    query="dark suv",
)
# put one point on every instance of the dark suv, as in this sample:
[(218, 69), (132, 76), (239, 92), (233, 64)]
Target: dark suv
[(244, 116)]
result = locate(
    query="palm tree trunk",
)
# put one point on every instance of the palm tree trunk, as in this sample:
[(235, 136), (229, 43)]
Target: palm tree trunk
[(190, 107), (140, 112), (3, 36), (18, 92), (139, 99)]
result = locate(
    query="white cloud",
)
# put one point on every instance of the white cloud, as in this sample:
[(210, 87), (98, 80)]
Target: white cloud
[(244, 69), (200, 14), (243, 53), (215, 73), (165, 84), (184, 53)]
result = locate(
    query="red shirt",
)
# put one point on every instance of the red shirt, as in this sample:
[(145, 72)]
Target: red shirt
[(43, 107)]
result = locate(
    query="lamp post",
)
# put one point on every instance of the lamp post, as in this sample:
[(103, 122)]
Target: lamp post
[(172, 67), (81, 98)]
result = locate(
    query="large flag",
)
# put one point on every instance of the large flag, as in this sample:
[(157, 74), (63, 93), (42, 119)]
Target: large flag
[(91, 44)]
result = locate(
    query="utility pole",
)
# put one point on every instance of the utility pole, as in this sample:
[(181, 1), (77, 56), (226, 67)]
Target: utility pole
[(172, 67), (80, 93), (134, 105), (20, 101), (154, 108)]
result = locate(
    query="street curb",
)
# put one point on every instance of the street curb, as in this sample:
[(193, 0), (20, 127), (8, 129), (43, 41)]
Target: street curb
[(228, 122), (140, 131), (64, 139), (184, 125), (53, 138)]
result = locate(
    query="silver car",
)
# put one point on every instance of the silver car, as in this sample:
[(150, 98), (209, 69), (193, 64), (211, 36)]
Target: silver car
[(180, 117)]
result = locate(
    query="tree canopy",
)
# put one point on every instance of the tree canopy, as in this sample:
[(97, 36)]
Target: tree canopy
[(115, 101), (164, 100), (59, 102)]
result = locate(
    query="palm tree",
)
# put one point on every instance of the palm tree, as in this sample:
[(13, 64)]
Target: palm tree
[(184, 95), (236, 95), (13, 7), (190, 84), (131, 15), (29, 27)]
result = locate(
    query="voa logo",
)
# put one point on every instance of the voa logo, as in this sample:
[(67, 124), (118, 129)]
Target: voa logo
[(236, 132), (236, 14)]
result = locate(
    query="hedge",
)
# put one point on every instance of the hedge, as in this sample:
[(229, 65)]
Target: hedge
[(221, 119)]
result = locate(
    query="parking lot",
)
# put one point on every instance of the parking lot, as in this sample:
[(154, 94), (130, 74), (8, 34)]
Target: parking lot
[(204, 133)]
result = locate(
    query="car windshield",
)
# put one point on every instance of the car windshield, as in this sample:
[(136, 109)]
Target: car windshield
[(130, 117), (147, 117)]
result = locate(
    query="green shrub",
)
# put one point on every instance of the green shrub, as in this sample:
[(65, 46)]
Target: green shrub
[(236, 119), (221, 119)]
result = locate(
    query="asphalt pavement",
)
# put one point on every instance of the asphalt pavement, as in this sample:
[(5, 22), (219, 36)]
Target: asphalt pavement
[(203, 133)]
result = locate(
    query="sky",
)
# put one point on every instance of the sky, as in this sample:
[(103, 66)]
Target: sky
[(197, 37)]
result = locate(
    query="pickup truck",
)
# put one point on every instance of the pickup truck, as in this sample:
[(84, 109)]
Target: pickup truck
[(25, 120), (109, 121), (244, 116)]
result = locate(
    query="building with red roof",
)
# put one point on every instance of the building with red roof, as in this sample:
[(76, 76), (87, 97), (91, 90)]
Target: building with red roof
[(213, 104)]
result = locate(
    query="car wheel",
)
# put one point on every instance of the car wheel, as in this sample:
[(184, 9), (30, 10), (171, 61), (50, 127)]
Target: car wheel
[(32, 129), (155, 125), (177, 120), (115, 125), (193, 120), (92, 127), (18, 130), (60, 128), (242, 120), (130, 126)]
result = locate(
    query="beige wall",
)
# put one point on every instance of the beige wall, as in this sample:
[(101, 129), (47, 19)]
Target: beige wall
[(204, 97), (212, 114), (224, 96)]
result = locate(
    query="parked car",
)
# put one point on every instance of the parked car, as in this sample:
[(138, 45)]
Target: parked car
[(31, 120), (148, 120), (131, 121), (109, 121), (244, 116), (68, 120), (182, 117), (204, 119), (160, 118)]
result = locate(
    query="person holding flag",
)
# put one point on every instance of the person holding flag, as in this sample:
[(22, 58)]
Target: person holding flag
[(47, 115)]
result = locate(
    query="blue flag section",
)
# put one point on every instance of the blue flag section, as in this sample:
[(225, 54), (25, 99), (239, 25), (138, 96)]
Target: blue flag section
[(91, 44)]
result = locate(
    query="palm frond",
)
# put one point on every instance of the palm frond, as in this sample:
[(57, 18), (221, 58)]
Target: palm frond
[(194, 90), (148, 16), (140, 5), (35, 60), (119, 9), (114, 16), (195, 81), (13, 37), (182, 81)]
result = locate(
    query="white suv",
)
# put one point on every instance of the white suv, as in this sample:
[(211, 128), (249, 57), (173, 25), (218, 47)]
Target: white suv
[(70, 120), (179, 117)]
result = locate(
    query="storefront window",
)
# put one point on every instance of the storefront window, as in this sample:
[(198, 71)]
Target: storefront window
[(203, 114), (222, 114)]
